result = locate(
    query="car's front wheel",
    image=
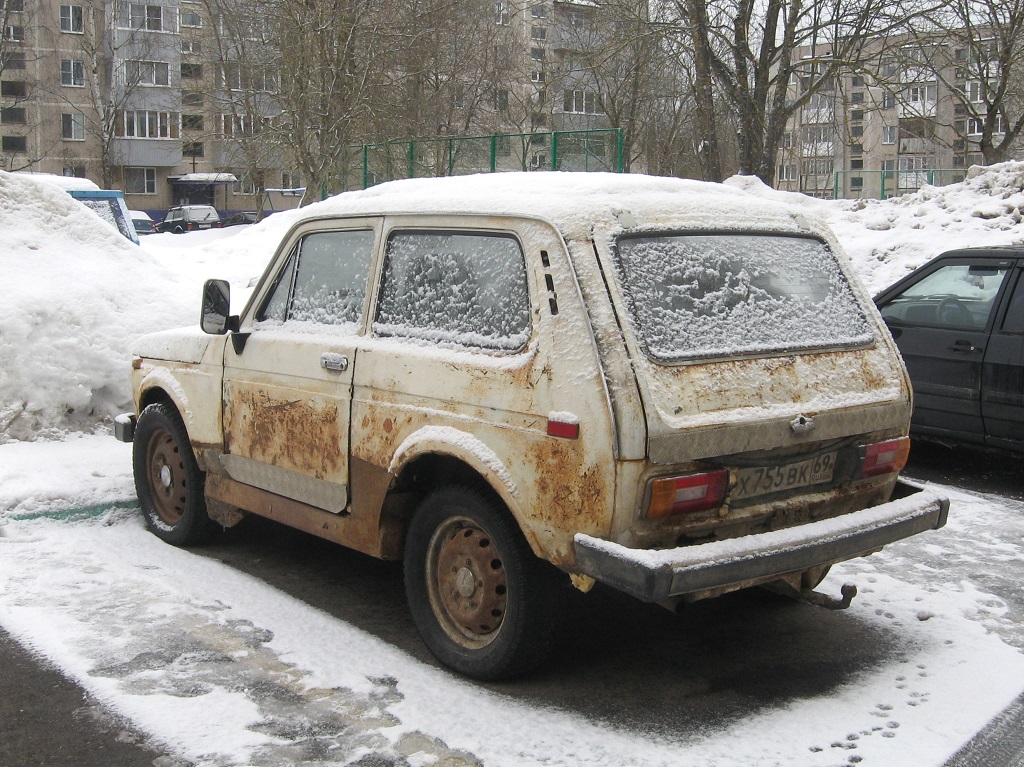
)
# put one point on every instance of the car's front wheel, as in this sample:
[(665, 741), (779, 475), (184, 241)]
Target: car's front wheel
[(169, 482), (484, 604)]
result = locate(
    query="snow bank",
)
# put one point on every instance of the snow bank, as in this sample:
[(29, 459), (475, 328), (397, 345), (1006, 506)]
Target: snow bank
[(78, 294)]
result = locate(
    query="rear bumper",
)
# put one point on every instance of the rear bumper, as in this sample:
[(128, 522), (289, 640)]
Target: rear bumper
[(654, 575)]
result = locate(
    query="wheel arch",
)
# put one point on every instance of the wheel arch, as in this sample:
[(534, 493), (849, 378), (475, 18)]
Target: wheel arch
[(434, 457)]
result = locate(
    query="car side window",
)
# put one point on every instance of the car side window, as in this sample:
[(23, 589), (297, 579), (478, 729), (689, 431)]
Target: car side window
[(955, 296), (1014, 320), (323, 281), (455, 288)]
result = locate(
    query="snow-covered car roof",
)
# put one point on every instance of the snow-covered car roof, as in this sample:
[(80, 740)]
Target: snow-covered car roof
[(575, 202)]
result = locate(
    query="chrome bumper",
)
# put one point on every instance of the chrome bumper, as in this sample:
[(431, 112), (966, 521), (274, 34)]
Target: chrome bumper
[(655, 575)]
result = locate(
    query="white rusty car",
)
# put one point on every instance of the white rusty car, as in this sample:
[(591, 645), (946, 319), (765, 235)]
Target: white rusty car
[(515, 381)]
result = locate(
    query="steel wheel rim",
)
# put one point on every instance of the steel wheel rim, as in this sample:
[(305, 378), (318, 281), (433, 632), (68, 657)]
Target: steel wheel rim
[(466, 582), (166, 474)]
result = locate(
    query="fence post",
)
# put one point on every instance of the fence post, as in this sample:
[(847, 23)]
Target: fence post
[(621, 141), (835, 186), (554, 149), (494, 152)]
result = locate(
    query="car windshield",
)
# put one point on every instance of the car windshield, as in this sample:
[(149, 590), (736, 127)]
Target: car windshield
[(723, 295)]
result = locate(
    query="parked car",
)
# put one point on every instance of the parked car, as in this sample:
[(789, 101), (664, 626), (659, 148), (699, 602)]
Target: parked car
[(959, 324), (189, 218), (243, 217), (518, 381), (142, 222)]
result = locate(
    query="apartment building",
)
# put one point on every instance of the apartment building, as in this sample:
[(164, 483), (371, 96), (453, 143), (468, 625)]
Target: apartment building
[(910, 115), (131, 96), (169, 102)]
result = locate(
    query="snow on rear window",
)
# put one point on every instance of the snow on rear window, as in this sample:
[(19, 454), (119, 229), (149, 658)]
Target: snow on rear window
[(462, 289), (700, 296)]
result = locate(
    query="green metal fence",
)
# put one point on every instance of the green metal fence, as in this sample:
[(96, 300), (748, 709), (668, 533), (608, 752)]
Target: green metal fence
[(882, 184), (583, 150)]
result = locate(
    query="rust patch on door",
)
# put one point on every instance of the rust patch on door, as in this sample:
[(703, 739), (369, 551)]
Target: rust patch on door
[(296, 434)]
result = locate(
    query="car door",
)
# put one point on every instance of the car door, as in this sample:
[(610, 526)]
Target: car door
[(288, 381), (941, 323), (1002, 388)]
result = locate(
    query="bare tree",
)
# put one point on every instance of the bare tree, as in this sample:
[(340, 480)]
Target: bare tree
[(744, 55), (976, 49)]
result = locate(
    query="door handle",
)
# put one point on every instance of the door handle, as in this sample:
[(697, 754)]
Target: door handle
[(333, 361), (966, 347)]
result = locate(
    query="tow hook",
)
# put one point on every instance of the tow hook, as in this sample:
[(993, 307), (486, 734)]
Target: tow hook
[(812, 597), (848, 591)]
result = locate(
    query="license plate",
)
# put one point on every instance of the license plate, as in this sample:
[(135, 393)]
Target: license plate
[(774, 479)]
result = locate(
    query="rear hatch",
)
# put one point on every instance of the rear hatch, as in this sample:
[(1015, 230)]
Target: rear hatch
[(746, 342)]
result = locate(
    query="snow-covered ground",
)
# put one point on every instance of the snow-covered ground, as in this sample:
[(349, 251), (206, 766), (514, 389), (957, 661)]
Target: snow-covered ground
[(218, 668)]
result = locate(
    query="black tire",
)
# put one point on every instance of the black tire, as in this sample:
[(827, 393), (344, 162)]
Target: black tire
[(168, 480), (484, 604), (177, 230)]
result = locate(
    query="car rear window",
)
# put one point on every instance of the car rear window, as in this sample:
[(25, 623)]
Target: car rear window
[(698, 296)]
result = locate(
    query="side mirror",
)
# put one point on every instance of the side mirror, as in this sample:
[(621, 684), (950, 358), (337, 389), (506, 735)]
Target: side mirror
[(216, 318)]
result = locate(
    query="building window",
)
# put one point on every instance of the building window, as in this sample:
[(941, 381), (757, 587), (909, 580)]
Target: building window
[(140, 180), (537, 54), (857, 164), (888, 168), (192, 99), (248, 184), (191, 47), (12, 60), (14, 144), (500, 100), (147, 72), (15, 89), (582, 102), (191, 19), (191, 71), (502, 12), (72, 127), (857, 115), (857, 82), (856, 182), (818, 134), (539, 11), (857, 97), (253, 79), (14, 33), (149, 17), (193, 149), (192, 122), (73, 171), (147, 124), (13, 116), (889, 134), (857, 148), (537, 76), (290, 180), (787, 172), (888, 100), (15, 6), (538, 33), (72, 73), (787, 140), (72, 19), (856, 131), (975, 91)]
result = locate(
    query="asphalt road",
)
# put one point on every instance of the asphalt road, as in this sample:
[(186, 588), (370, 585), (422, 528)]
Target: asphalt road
[(46, 720)]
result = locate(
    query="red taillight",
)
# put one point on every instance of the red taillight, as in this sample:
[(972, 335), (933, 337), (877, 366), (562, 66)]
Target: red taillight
[(682, 495), (884, 457)]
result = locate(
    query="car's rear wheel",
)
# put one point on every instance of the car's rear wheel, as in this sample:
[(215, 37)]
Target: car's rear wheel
[(178, 230), (484, 604), (168, 480)]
